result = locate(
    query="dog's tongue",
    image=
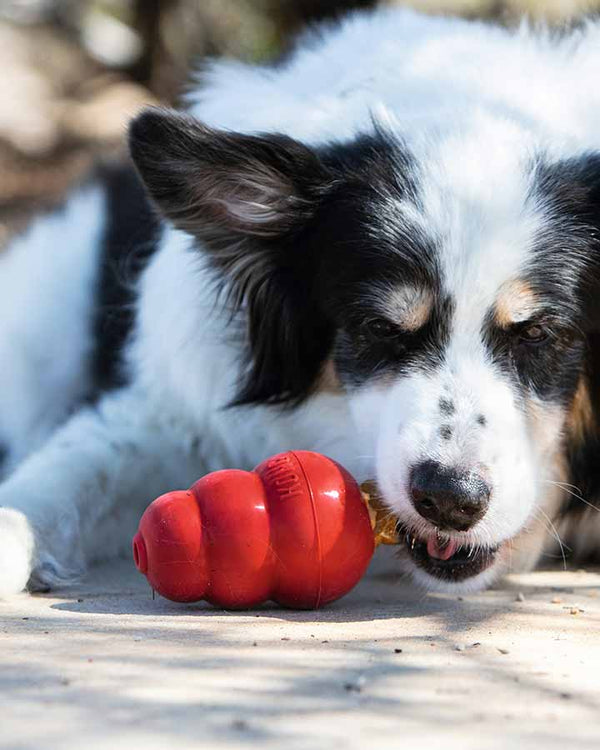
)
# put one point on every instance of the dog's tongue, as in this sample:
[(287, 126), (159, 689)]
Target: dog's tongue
[(441, 550)]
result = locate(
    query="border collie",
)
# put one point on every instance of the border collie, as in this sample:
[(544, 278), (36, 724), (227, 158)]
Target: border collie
[(385, 249)]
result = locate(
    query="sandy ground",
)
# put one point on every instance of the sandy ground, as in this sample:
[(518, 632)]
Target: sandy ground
[(102, 665)]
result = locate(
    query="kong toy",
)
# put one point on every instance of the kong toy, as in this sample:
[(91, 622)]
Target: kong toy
[(296, 530)]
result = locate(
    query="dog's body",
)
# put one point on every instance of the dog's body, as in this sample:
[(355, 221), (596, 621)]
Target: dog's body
[(405, 280)]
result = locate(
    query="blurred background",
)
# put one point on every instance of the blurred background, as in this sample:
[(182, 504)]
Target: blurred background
[(73, 71)]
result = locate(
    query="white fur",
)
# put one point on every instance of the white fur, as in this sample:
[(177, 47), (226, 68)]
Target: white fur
[(16, 551), (47, 278), (429, 74), (478, 207), (471, 101)]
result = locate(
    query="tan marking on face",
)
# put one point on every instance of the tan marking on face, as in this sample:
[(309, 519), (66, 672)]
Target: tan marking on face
[(546, 425), (409, 307), (580, 531), (329, 381), (580, 420), (515, 303)]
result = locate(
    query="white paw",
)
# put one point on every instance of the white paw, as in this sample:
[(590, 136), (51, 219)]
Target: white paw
[(16, 551)]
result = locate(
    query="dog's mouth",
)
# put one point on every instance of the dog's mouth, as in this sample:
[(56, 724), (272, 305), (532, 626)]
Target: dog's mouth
[(445, 558)]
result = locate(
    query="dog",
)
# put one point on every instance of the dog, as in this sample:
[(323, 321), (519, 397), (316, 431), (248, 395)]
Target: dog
[(385, 248)]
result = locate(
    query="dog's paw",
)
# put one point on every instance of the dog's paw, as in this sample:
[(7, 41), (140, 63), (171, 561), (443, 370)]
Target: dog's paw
[(16, 551)]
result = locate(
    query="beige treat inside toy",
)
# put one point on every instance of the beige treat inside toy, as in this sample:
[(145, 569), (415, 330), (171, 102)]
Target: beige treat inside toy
[(383, 520)]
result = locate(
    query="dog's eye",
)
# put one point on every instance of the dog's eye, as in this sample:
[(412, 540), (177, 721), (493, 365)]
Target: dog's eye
[(533, 334), (380, 329)]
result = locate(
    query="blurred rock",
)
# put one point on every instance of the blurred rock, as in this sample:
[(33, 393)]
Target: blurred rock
[(61, 112), (103, 117)]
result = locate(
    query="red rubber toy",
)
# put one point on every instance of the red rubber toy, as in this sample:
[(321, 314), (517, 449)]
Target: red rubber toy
[(295, 530)]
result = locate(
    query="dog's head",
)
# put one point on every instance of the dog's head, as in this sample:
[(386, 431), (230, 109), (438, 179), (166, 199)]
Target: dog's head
[(447, 288)]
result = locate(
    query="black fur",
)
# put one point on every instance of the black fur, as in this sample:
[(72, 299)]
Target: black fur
[(550, 369), (300, 253), (209, 183), (131, 235), (570, 275), (563, 276), (196, 174), (368, 249), (584, 456), (447, 406)]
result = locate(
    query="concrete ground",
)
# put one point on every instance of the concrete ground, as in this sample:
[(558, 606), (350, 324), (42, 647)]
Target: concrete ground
[(102, 665)]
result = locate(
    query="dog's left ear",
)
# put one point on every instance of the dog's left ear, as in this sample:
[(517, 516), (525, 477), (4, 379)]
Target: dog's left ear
[(246, 199)]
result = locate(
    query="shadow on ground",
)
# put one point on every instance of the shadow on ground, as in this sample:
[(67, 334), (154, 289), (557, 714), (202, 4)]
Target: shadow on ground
[(511, 665)]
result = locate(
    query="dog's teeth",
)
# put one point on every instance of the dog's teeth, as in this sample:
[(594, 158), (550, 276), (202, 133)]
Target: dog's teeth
[(471, 552)]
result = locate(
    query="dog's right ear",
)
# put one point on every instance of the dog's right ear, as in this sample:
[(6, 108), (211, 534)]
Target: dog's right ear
[(221, 185), (573, 186), (247, 198)]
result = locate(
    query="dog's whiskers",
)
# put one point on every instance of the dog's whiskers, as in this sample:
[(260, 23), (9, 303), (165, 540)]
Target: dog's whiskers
[(556, 535), (575, 492)]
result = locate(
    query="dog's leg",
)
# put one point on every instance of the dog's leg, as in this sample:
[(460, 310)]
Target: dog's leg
[(79, 498)]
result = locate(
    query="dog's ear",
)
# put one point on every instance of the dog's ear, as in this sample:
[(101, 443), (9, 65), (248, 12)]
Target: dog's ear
[(218, 184), (573, 186), (246, 198), (579, 203)]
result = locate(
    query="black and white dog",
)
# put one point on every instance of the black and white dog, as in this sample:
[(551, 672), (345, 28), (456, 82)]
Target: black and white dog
[(386, 249)]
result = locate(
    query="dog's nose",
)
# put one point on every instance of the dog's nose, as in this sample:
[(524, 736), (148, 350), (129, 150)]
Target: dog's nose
[(448, 498)]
